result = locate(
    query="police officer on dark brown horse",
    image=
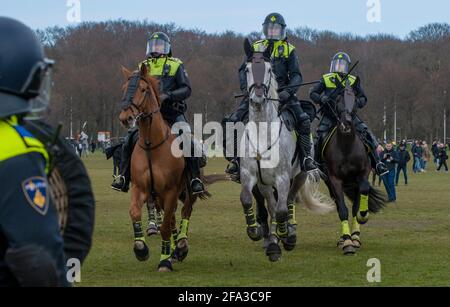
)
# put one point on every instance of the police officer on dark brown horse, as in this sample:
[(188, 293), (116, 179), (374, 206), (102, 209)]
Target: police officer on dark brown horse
[(320, 94), (175, 88), (286, 67)]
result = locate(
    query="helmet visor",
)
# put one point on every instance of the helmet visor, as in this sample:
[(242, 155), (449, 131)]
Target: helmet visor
[(339, 66), (157, 47), (274, 31), (39, 86)]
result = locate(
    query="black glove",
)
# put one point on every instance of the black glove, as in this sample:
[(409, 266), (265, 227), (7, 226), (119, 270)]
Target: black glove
[(324, 99), (284, 96), (360, 102)]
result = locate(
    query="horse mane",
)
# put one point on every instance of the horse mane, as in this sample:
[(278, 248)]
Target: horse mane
[(154, 83)]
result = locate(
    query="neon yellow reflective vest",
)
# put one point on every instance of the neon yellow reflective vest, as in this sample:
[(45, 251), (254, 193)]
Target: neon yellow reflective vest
[(278, 46), (15, 141), (165, 66), (332, 78)]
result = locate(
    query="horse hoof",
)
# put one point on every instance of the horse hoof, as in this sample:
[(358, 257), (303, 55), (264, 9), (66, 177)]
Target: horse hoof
[(290, 243), (152, 230), (255, 233), (141, 251), (181, 251), (273, 251), (362, 217), (165, 266), (348, 248), (356, 241)]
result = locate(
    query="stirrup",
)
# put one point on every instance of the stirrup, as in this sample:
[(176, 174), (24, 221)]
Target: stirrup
[(378, 171), (200, 182)]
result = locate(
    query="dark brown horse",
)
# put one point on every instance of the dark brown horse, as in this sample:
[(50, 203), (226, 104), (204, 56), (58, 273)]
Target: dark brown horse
[(347, 168), (157, 174)]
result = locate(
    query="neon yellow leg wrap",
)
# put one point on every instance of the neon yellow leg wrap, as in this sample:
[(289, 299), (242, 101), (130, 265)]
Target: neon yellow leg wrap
[(345, 228), (184, 227), (355, 225), (138, 233), (166, 250), (291, 216), (250, 217), (282, 229), (364, 203)]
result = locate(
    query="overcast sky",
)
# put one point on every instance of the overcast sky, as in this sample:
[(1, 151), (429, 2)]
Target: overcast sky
[(397, 17)]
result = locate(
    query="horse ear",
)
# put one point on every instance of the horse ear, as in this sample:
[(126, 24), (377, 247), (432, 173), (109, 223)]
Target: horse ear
[(248, 47), (126, 73), (144, 70)]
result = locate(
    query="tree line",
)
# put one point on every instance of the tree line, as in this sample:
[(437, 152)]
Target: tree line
[(409, 75)]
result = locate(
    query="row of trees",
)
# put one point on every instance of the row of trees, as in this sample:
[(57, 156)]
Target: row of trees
[(408, 75)]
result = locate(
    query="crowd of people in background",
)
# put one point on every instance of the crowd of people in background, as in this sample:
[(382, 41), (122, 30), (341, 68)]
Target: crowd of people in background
[(397, 158)]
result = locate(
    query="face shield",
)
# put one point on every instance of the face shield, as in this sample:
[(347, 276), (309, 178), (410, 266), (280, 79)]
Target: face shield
[(157, 47), (38, 86), (274, 31), (339, 66)]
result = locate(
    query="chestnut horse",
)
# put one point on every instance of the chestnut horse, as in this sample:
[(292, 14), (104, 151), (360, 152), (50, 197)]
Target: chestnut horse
[(157, 174)]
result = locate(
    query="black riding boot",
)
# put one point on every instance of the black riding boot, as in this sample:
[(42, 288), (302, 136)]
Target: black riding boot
[(121, 183), (194, 167), (308, 162)]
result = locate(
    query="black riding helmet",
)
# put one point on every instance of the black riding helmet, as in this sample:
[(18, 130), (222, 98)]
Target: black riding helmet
[(24, 70), (274, 27), (340, 63), (158, 44)]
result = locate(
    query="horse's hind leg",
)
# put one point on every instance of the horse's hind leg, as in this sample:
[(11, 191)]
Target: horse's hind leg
[(141, 250), (153, 225), (273, 250), (262, 215), (345, 242), (169, 202)]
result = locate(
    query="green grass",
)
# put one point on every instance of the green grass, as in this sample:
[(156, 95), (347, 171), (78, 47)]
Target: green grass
[(411, 239)]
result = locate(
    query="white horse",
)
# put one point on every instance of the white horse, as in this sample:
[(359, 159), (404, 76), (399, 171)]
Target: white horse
[(267, 163)]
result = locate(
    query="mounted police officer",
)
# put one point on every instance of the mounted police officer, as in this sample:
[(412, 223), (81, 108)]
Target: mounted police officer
[(286, 67), (31, 246), (324, 94), (175, 89)]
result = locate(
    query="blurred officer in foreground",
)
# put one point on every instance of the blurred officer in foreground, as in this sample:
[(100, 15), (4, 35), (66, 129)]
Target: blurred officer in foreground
[(37, 234)]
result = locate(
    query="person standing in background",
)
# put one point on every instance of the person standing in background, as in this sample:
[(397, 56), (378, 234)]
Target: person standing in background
[(403, 159), (425, 155), (443, 157), (389, 157), (417, 152)]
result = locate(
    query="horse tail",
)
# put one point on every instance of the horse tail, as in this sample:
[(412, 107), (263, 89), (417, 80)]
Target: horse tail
[(377, 200), (314, 200)]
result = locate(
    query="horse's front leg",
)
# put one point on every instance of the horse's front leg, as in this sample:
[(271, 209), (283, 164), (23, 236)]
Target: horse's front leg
[(182, 246), (169, 202), (345, 242), (273, 250), (141, 250), (254, 231)]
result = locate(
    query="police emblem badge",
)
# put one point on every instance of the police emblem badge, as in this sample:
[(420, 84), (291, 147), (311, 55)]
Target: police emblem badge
[(35, 190)]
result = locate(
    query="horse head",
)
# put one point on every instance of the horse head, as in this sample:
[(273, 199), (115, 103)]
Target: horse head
[(259, 76), (139, 96), (346, 107)]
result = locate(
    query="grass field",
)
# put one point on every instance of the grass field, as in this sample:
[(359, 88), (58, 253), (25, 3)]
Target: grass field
[(410, 238)]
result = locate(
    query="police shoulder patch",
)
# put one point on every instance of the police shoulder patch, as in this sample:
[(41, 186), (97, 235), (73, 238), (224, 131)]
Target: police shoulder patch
[(35, 190)]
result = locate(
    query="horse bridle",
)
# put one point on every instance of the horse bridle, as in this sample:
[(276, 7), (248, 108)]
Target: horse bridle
[(139, 117)]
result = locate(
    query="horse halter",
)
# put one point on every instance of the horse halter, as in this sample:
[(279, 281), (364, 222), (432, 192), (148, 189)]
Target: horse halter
[(259, 73), (128, 99)]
